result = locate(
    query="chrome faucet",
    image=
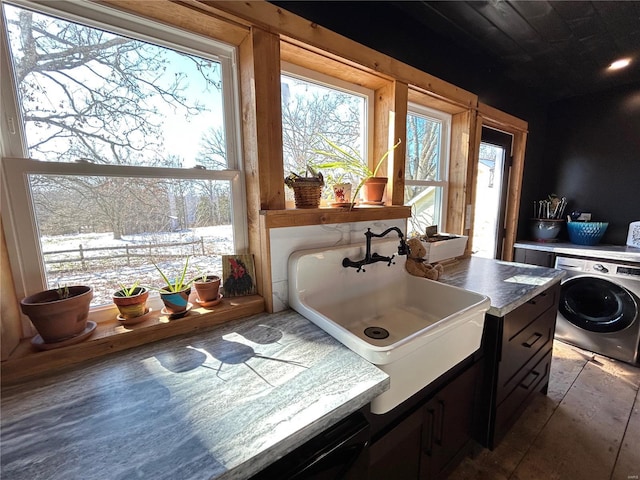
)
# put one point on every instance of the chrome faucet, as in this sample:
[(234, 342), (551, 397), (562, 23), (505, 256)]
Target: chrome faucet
[(403, 249)]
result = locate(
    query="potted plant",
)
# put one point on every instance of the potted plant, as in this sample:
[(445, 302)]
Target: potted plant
[(349, 161), (342, 193), (175, 293), (131, 301), (307, 188), (207, 288), (59, 314)]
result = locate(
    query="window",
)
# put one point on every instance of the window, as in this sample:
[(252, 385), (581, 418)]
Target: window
[(316, 107), (426, 167), (121, 148)]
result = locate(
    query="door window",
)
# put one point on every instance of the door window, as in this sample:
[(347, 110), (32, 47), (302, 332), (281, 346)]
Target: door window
[(597, 305), (490, 198)]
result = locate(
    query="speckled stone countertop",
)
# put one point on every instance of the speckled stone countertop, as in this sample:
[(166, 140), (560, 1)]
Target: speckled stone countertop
[(507, 284), (606, 252), (222, 404)]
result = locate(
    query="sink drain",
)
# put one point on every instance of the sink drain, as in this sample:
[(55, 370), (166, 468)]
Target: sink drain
[(376, 332)]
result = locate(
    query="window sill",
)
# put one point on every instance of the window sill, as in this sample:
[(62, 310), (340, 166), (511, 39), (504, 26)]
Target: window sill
[(297, 217), (26, 362)]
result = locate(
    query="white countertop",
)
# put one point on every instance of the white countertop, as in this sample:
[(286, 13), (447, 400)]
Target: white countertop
[(218, 404), (507, 284), (606, 252)]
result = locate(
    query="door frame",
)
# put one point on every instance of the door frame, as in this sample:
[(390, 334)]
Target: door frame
[(494, 118), (504, 140)]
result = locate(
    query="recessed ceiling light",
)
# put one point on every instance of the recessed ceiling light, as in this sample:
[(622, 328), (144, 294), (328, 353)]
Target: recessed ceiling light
[(618, 64)]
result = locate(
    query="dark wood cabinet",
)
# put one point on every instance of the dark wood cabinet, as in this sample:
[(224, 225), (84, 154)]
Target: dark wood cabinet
[(534, 257), (427, 436), (518, 349), (397, 453), (447, 425)]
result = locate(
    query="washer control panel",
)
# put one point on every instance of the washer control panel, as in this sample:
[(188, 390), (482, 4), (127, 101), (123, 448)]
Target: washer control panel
[(597, 266)]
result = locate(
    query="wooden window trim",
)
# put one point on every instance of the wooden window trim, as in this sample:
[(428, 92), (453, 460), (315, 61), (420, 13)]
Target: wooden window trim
[(109, 337)]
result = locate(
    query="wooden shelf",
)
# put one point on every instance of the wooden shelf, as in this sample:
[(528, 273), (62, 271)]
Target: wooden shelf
[(26, 362), (297, 217)]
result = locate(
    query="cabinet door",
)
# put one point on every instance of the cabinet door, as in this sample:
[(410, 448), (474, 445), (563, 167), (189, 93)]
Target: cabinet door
[(447, 425), (396, 455)]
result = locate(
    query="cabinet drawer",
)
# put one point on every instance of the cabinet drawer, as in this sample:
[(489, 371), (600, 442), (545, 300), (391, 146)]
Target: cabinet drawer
[(531, 379), (523, 347), (515, 321)]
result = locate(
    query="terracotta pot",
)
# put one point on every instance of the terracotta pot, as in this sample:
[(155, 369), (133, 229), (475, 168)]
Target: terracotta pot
[(175, 302), (208, 291), (373, 189), (58, 319), (131, 306)]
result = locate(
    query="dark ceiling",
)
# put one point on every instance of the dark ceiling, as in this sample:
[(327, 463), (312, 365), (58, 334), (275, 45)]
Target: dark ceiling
[(559, 48)]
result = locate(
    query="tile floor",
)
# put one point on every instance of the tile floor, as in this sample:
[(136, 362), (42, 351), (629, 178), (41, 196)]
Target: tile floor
[(587, 427)]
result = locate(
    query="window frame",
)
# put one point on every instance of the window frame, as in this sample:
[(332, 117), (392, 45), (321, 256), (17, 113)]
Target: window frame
[(20, 228), (328, 81), (445, 120)]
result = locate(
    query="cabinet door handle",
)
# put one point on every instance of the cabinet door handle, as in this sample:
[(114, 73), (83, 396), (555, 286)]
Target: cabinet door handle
[(438, 438), (532, 378), (533, 301), (427, 432), (532, 339)]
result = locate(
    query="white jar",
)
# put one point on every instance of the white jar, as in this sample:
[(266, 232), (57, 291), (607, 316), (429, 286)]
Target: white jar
[(633, 238)]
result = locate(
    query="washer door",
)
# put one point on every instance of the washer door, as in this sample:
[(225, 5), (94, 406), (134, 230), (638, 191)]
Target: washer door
[(597, 305)]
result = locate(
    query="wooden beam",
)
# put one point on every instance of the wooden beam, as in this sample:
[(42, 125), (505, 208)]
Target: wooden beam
[(324, 216), (501, 120), (9, 307), (190, 17), (475, 137), (513, 195), (394, 111), (262, 117), (262, 142), (275, 19), (314, 59), (427, 99), (457, 199)]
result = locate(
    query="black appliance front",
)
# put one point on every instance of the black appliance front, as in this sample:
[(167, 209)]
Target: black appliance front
[(340, 452), (597, 305)]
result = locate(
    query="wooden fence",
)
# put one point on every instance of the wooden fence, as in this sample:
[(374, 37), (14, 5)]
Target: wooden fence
[(84, 255)]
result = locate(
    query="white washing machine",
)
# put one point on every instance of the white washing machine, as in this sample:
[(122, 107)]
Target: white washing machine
[(599, 307)]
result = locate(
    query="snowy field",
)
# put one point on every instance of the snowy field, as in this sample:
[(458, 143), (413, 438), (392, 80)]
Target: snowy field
[(105, 274)]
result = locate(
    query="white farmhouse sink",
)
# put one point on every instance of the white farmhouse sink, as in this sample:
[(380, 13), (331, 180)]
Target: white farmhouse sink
[(431, 326)]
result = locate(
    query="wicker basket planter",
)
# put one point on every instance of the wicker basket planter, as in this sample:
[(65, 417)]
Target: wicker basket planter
[(306, 190)]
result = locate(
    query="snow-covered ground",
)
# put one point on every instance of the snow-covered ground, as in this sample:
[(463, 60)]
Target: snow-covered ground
[(105, 274)]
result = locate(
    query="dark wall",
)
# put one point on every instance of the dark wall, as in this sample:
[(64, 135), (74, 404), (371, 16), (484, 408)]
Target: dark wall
[(593, 157)]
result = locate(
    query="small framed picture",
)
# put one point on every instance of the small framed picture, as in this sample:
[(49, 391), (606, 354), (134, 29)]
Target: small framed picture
[(239, 275)]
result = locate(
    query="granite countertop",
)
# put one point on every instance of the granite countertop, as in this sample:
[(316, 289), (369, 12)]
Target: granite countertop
[(220, 404), (507, 284), (605, 252)]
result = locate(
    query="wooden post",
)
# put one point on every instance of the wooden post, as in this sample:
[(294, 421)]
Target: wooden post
[(82, 257)]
